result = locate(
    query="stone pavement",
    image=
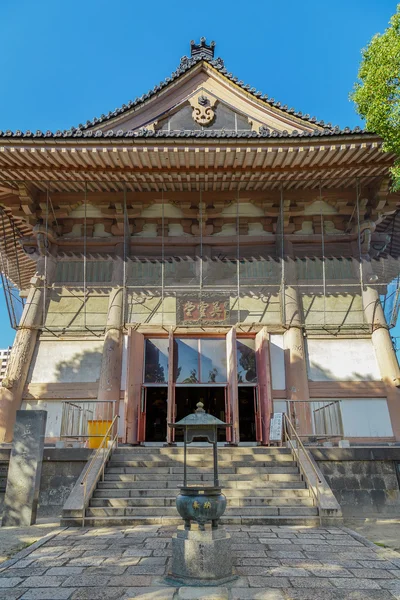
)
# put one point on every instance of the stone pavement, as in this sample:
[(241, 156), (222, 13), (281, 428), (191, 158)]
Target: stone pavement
[(14, 539), (272, 563)]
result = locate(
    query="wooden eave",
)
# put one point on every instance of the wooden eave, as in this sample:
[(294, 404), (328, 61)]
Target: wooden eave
[(146, 164)]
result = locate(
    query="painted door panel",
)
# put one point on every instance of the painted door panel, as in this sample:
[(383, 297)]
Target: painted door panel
[(133, 390), (264, 382)]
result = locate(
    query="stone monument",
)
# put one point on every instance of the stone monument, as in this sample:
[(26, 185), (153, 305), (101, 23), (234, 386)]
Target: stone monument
[(25, 469), (201, 552)]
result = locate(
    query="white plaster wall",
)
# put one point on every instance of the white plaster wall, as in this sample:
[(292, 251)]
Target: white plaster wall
[(366, 417), (342, 360), (280, 406), (277, 354), (62, 361), (54, 412)]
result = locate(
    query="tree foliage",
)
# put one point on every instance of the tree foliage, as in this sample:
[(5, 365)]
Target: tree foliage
[(377, 93)]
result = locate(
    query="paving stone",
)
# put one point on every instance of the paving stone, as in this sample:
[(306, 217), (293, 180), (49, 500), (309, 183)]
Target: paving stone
[(310, 582), (65, 571), (125, 561), (335, 594), (86, 580), (346, 563), (105, 570), (27, 572), (44, 581), (96, 593), (396, 561), (130, 581), (139, 552), (248, 570), (164, 552), (375, 564), (330, 571), (203, 593), (391, 584), (50, 562), (258, 562), (304, 563), (153, 560), (86, 561), (284, 554), (250, 553), (287, 572), (12, 594), (153, 593), (146, 569), (256, 594), (372, 573), (23, 563), (48, 594), (355, 584), (9, 582), (155, 543), (269, 582), (276, 541), (247, 546)]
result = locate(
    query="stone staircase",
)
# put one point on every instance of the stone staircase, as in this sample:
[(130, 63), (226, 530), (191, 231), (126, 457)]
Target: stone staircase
[(262, 486)]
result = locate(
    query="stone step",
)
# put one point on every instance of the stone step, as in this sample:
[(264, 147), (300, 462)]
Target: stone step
[(241, 485), (200, 450), (294, 521), (197, 478), (126, 470), (230, 493), (200, 464), (170, 511), (162, 502)]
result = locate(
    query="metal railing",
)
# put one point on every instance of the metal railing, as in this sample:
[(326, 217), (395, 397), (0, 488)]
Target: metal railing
[(325, 415), (107, 444), (291, 436), (76, 415)]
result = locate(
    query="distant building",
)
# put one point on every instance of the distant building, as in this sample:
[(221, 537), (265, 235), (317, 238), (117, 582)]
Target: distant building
[(4, 358)]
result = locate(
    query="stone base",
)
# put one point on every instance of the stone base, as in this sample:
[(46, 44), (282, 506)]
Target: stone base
[(201, 557)]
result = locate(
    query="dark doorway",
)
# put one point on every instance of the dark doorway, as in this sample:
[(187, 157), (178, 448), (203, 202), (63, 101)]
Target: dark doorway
[(156, 414), (213, 399), (247, 416)]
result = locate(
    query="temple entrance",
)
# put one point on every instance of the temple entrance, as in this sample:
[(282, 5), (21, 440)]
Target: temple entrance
[(247, 413), (155, 414), (212, 397)]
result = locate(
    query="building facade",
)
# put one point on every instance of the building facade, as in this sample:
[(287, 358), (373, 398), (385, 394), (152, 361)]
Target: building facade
[(4, 358), (203, 242)]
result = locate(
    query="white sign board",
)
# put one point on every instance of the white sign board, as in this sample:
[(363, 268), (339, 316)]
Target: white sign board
[(275, 428)]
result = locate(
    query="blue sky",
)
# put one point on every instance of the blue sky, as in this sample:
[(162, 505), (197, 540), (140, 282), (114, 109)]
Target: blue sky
[(65, 62)]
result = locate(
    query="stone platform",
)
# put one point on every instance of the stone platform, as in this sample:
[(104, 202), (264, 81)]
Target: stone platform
[(272, 563)]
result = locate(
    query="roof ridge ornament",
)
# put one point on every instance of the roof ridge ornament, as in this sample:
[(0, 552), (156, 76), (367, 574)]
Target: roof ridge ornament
[(203, 48)]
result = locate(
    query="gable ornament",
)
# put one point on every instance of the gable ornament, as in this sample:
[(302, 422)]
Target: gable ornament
[(203, 111)]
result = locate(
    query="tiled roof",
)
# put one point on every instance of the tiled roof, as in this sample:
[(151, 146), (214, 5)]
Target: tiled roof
[(85, 130), (209, 133)]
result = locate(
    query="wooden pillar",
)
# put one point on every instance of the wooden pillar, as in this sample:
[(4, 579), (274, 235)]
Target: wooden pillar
[(24, 345), (385, 354), (134, 380), (296, 358), (111, 362)]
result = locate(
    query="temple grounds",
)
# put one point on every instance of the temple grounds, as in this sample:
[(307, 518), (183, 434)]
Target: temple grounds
[(272, 563)]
